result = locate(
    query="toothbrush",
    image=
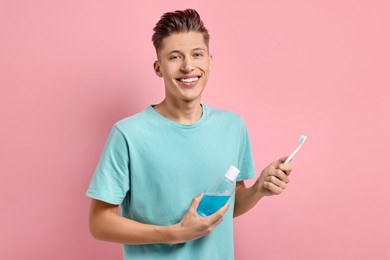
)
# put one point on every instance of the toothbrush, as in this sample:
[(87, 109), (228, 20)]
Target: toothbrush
[(302, 139)]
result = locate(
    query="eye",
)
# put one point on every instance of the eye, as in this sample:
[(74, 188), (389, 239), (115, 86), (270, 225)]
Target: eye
[(174, 57), (198, 54)]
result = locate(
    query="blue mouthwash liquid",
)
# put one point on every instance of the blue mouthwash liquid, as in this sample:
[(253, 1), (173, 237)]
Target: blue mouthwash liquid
[(211, 203)]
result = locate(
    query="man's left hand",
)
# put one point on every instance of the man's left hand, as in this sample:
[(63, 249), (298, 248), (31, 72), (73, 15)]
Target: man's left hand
[(274, 178)]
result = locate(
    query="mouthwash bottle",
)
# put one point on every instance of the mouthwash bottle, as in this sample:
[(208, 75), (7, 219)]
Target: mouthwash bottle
[(218, 193)]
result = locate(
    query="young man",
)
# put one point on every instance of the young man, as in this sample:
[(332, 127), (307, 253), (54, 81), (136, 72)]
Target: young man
[(157, 161)]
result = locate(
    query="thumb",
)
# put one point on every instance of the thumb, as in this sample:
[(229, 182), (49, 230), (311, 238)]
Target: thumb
[(282, 160), (195, 201)]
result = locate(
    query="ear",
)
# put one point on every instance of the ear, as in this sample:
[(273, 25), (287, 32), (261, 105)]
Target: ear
[(211, 61), (157, 70)]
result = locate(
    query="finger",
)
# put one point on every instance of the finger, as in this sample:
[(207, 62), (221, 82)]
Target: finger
[(274, 189), (216, 223), (276, 181), (224, 208), (281, 175), (285, 167), (282, 159), (196, 200), (217, 216)]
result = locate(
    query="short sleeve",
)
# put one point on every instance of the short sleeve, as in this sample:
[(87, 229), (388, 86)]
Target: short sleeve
[(245, 160), (111, 180)]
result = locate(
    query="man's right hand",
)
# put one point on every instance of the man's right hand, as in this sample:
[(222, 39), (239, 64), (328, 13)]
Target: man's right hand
[(193, 226)]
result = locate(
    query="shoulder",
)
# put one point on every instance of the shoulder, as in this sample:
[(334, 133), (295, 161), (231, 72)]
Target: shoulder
[(223, 115), (134, 122)]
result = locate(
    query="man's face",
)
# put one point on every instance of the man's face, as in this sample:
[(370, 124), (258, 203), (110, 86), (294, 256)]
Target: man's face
[(184, 62)]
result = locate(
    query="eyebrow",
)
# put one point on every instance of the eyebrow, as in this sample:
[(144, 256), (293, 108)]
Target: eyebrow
[(196, 49)]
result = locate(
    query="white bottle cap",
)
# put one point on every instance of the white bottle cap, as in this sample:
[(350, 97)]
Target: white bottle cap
[(232, 173)]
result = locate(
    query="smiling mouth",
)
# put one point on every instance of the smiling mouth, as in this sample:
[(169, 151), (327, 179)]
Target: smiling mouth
[(191, 79)]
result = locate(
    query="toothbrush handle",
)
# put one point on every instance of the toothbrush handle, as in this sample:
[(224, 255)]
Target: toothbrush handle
[(293, 154)]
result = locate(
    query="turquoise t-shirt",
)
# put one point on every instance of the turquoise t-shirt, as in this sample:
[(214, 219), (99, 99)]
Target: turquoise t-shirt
[(154, 167)]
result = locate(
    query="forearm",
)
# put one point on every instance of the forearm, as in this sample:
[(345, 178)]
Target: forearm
[(246, 199), (106, 224)]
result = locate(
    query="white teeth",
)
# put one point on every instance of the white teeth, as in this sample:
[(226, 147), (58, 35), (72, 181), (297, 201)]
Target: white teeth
[(189, 80)]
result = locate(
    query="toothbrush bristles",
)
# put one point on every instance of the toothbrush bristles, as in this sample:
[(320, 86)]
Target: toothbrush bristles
[(302, 139)]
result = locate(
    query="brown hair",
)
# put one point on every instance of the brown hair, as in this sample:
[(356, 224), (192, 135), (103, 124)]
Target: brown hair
[(177, 22)]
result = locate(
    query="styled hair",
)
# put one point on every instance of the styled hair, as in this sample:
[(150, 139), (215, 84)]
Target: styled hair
[(177, 22)]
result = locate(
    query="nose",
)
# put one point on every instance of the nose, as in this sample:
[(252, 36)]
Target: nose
[(187, 65)]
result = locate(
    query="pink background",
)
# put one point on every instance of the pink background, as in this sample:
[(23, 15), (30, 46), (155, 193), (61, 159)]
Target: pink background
[(70, 69)]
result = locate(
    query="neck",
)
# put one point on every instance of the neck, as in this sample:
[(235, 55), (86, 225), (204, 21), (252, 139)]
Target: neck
[(183, 113)]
